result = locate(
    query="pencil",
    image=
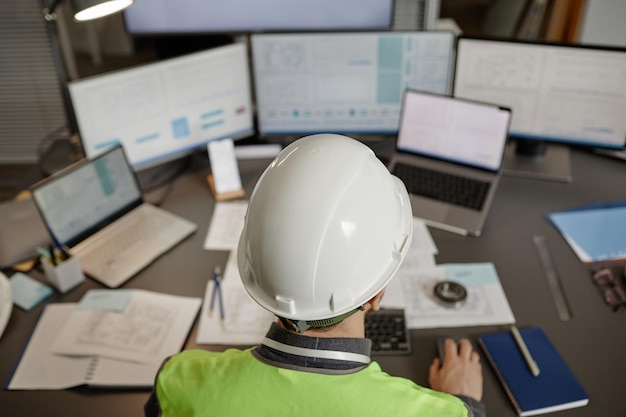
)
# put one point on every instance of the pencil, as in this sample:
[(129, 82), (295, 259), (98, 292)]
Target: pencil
[(532, 365)]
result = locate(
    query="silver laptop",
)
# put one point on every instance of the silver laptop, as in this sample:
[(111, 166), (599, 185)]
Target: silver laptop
[(21, 232), (449, 153), (96, 209)]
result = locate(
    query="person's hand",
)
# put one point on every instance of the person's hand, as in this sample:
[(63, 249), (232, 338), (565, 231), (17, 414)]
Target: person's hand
[(460, 373)]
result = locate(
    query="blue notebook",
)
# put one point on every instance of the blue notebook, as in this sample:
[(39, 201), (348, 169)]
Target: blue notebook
[(555, 388)]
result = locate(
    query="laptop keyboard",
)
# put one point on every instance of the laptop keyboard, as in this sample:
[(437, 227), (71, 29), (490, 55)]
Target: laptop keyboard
[(388, 332), (142, 229), (453, 189)]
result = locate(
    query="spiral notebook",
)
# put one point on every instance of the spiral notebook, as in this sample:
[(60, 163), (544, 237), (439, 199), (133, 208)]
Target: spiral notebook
[(555, 388), (41, 368)]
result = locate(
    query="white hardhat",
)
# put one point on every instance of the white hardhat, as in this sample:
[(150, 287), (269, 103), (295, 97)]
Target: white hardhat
[(326, 229)]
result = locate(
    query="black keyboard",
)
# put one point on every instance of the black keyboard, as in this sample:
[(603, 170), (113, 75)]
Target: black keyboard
[(460, 191), (388, 332)]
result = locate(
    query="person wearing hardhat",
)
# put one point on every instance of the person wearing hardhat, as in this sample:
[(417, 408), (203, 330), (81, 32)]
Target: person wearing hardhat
[(326, 229)]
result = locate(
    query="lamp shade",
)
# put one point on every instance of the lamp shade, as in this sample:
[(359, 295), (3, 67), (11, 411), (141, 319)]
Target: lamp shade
[(93, 9)]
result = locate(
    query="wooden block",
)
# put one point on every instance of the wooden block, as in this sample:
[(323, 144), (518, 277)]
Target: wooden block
[(231, 195), (25, 266)]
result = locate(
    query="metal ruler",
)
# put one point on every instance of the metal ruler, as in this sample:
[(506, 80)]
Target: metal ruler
[(554, 282)]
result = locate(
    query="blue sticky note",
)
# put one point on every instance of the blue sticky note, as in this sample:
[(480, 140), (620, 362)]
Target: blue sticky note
[(28, 292), (112, 300), (472, 274)]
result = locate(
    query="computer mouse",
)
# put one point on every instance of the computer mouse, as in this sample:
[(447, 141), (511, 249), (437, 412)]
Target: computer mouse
[(441, 345)]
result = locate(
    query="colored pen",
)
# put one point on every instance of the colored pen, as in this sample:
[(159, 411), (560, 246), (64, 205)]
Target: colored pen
[(219, 294), (532, 365), (58, 244), (46, 254), (53, 255)]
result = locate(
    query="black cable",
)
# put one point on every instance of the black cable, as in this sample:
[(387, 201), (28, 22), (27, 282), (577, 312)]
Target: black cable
[(47, 141), (57, 150), (184, 166)]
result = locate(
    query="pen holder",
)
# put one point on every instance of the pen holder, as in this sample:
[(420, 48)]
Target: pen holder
[(63, 276)]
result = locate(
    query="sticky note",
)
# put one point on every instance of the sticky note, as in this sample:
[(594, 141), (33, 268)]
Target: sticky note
[(112, 300), (28, 292)]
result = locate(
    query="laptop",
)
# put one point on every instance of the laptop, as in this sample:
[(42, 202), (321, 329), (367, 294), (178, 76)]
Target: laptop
[(95, 208), (21, 232), (449, 153)]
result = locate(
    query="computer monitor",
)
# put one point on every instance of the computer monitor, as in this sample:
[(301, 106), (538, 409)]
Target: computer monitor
[(411, 15), (349, 83), (560, 95), (244, 16), (166, 109)]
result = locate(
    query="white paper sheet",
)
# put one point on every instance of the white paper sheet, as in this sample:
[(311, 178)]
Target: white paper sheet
[(246, 322), (421, 255), (486, 303), (39, 368), (152, 327), (226, 225)]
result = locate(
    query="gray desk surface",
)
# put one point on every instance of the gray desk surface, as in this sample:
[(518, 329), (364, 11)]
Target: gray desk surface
[(593, 342)]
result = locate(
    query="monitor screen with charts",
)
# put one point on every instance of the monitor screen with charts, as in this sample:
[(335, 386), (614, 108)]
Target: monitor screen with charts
[(350, 83), (240, 16), (164, 110), (559, 94)]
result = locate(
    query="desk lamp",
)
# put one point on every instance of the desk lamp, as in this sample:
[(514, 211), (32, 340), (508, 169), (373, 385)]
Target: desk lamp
[(62, 152)]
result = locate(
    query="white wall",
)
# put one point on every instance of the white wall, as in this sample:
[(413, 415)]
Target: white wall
[(604, 23)]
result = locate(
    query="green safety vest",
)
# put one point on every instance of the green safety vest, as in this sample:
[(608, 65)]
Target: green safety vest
[(236, 383)]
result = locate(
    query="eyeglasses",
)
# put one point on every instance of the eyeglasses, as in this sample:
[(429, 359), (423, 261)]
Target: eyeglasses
[(612, 293)]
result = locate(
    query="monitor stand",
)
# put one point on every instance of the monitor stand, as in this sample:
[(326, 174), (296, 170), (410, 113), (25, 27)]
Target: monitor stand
[(164, 173), (537, 160)]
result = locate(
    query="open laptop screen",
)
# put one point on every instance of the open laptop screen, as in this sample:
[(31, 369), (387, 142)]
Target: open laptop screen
[(84, 198), (452, 129)]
